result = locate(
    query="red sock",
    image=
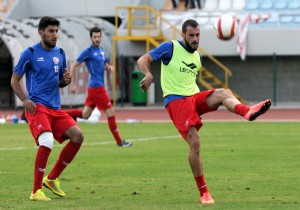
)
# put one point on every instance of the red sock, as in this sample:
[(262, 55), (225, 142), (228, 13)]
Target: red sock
[(114, 129), (40, 167), (65, 157), (241, 109), (74, 112), (201, 184)]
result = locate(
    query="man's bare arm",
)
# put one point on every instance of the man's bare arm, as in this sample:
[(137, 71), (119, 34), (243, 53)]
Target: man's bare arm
[(74, 67), (144, 66), (27, 103)]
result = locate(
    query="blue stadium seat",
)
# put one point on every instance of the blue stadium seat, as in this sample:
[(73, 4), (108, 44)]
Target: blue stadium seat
[(297, 20), (213, 17), (210, 5), (225, 5), (280, 4), (286, 20), (272, 22), (293, 4), (252, 5), (266, 5), (202, 18), (238, 4)]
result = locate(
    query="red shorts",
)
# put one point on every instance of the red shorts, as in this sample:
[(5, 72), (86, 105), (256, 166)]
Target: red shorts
[(98, 97), (186, 112), (46, 119)]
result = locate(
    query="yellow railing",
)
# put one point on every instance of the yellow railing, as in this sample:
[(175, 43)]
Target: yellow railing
[(150, 20), (227, 71), (149, 14)]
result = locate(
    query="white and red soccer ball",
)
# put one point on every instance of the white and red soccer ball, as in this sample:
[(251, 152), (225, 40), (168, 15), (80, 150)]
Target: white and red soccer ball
[(225, 27)]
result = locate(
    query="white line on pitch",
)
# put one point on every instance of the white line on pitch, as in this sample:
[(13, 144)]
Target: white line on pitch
[(154, 138), (96, 143)]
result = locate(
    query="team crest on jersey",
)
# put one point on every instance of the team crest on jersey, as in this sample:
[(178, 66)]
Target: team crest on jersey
[(55, 60)]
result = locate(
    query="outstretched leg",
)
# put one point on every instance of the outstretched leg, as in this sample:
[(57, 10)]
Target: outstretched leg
[(225, 97), (78, 113)]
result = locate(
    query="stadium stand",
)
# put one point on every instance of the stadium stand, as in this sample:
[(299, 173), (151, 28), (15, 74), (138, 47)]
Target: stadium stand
[(265, 13), (266, 4), (211, 5), (280, 4), (225, 5), (269, 13), (293, 4), (297, 19), (238, 4), (252, 4)]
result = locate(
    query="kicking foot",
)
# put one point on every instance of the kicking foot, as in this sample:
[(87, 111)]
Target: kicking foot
[(258, 109)]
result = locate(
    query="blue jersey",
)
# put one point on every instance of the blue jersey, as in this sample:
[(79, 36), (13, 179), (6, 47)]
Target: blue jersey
[(95, 60), (165, 52), (43, 68)]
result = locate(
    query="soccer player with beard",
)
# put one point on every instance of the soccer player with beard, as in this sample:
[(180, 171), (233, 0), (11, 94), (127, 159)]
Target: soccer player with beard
[(96, 62), (45, 67), (180, 64)]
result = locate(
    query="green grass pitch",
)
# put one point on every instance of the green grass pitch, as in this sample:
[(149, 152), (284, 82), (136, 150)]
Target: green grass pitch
[(247, 165)]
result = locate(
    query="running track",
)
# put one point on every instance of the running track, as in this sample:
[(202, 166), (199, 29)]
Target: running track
[(159, 114)]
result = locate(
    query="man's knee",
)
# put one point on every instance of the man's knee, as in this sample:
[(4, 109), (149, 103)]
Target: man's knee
[(87, 111), (74, 134), (193, 139), (223, 93), (86, 115), (46, 139), (78, 136)]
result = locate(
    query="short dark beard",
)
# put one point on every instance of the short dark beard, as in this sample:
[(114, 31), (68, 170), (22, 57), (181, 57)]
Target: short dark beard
[(47, 43), (95, 44), (189, 47)]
